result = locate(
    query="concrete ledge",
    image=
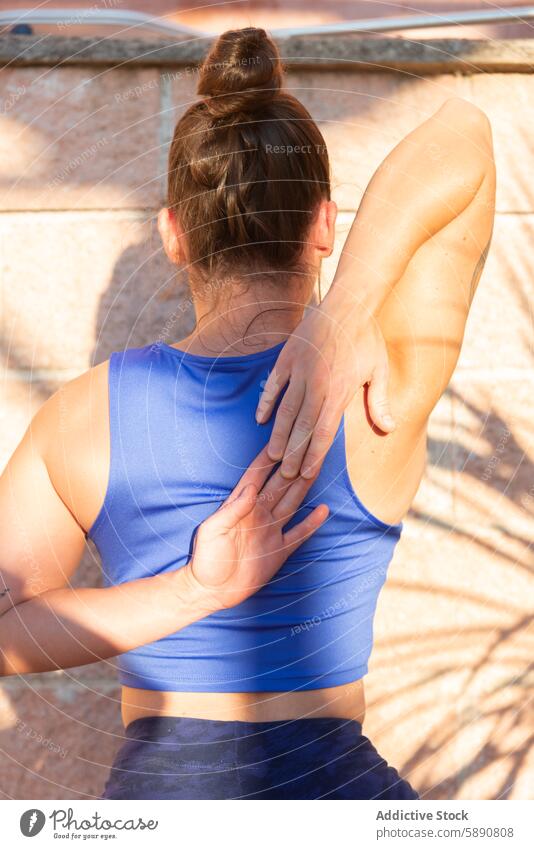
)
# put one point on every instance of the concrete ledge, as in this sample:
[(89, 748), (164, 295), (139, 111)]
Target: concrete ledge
[(430, 56)]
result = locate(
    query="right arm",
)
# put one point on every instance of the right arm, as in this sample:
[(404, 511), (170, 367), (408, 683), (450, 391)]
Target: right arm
[(436, 187)]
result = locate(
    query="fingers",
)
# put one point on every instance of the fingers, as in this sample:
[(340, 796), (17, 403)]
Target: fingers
[(274, 490), (283, 497), (301, 433), (304, 530), (285, 418), (234, 509), (291, 499), (275, 383), (323, 437), (377, 398), (256, 474)]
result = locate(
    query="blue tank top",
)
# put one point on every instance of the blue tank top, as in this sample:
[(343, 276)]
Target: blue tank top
[(182, 432)]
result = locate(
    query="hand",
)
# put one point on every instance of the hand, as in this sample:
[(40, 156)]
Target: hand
[(241, 546), (323, 365)]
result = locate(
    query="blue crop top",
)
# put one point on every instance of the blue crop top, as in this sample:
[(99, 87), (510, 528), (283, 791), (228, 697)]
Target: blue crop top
[(182, 431)]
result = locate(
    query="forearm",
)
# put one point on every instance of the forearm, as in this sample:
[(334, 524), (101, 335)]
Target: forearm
[(71, 627), (429, 178)]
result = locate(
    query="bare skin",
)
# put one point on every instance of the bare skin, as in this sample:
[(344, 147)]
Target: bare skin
[(54, 485)]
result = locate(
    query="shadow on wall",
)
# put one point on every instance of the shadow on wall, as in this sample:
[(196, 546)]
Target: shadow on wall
[(146, 301)]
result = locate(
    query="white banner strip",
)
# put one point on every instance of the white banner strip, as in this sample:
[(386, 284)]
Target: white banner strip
[(264, 824)]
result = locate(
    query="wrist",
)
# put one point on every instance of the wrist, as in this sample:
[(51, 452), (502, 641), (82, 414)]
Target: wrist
[(348, 302), (195, 598)]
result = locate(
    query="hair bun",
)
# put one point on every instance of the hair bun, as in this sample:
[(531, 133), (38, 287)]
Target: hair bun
[(241, 74)]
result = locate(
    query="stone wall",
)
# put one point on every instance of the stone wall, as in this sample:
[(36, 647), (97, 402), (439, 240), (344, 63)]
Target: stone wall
[(83, 158)]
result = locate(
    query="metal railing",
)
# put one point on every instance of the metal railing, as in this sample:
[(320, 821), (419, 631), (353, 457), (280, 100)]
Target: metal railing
[(423, 21), (96, 17), (138, 20)]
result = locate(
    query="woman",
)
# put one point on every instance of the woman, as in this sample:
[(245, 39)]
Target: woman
[(239, 591)]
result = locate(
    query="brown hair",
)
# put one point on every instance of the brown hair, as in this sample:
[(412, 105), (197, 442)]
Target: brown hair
[(248, 166)]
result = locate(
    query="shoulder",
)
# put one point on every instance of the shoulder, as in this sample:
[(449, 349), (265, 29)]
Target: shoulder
[(84, 400), (71, 433), (68, 408), (71, 430), (81, 406)]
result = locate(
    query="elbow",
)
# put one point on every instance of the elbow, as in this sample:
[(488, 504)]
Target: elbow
[(9, 657), (464, 114), (5, 670), (473, 137), (7, 667)]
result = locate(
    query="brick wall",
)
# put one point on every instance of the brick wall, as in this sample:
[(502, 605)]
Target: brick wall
[(82, 173)]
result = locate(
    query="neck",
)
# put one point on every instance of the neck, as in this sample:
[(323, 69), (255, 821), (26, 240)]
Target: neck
[(246, 321)]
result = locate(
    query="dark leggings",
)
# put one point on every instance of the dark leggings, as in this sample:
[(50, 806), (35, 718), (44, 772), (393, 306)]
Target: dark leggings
[(183, 758)]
